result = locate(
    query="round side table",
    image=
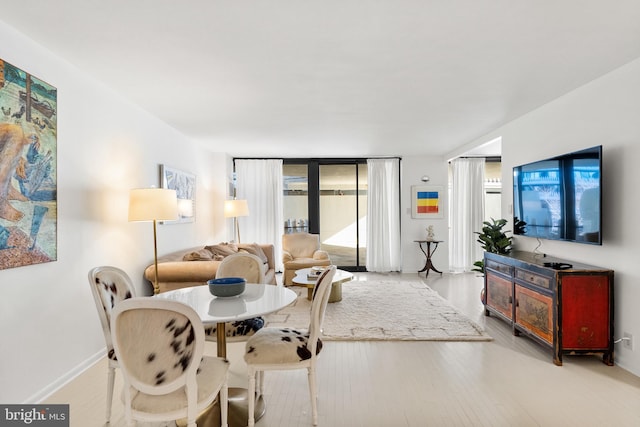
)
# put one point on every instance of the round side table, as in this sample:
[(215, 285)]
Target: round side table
[(428, 265)]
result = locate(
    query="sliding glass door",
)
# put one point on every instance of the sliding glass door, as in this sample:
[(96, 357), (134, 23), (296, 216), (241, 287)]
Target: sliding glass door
[(329, 198), (343, 213), (295, 203)]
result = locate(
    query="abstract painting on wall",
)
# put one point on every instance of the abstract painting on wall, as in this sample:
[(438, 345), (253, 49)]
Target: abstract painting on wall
[(426, 202), (185, 185), (28, 169)]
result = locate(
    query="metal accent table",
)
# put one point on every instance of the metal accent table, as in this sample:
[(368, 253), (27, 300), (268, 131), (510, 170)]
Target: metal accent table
[(428, 265)]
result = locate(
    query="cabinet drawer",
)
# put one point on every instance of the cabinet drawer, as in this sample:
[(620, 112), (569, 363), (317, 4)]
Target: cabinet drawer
[(533, 278), (499, 295), (497, 266), (534, 312)]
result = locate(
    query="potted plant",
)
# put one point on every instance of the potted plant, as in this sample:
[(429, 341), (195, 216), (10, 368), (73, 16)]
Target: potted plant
[(493, 239)]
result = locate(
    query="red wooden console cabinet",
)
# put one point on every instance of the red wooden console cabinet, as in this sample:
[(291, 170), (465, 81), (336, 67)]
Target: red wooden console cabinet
[(561, 304)]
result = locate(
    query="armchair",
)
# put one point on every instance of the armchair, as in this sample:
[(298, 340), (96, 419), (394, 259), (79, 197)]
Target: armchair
[(301, 250)]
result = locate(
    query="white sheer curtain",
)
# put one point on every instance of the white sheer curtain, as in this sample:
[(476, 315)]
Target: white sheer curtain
[(260, 183), (467, 212), (383, 215)]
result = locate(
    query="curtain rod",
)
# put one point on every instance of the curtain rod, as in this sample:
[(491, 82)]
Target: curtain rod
[(486, 159), (317, 158)]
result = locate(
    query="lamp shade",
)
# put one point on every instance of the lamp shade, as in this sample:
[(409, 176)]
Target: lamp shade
[(235, 208), (148, 204)]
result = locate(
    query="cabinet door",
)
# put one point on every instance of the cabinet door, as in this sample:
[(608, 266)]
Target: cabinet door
[(585, 312), (534, 312), (499, 294)]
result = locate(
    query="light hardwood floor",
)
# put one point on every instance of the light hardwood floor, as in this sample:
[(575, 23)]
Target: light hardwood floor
[(509, 381)]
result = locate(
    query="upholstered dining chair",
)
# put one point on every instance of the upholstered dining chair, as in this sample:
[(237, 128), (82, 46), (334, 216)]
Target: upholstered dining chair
[(242, 264), (288, 348), (160, 347), (252, 269), (301, 250), (109, 286)]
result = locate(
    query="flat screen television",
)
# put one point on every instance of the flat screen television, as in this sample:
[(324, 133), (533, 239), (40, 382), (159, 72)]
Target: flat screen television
[(560, 198)]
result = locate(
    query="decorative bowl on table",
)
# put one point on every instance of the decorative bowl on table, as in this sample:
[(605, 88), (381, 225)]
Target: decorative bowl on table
[(227, 286)]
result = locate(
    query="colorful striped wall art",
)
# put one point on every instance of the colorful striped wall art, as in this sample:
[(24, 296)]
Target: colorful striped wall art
[(427, 201)]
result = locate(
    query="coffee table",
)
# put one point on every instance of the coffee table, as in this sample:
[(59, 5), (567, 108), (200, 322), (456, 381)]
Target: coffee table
[(301, 279)]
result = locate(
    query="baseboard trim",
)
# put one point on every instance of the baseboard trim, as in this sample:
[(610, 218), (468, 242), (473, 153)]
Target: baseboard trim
[(65, 379)]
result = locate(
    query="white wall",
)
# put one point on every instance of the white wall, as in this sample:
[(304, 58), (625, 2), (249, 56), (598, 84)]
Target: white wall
[(605, 112), (413, 168), (106, 146)]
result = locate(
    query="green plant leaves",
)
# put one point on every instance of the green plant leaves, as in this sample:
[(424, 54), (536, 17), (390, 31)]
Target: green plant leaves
[(493, 239)]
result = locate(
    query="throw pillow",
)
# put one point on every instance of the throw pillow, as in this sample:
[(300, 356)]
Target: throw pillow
[(222, 250), (201, 255), (254, 249)]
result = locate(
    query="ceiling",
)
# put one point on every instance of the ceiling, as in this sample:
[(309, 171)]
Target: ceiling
[(335, 78)]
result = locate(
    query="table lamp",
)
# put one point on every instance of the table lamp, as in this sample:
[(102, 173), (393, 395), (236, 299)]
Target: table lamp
[(153, 204), (235, 208)]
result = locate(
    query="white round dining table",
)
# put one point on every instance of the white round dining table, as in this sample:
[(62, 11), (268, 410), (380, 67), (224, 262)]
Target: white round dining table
[(256, 300)]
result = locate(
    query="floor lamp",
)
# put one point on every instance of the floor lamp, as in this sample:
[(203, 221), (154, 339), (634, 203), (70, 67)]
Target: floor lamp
[(233, 209), (153, 204)]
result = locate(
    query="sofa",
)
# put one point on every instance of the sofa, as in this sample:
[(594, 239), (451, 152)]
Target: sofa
[(194, 266)]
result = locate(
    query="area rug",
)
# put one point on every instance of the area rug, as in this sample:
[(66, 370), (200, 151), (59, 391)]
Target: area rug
[(384, 310)]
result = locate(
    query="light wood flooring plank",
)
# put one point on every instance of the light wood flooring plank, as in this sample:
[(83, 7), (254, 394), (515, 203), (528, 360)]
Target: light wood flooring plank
[(510, 381)]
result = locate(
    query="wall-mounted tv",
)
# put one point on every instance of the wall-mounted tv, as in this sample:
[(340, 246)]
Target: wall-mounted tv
[(560, 198)]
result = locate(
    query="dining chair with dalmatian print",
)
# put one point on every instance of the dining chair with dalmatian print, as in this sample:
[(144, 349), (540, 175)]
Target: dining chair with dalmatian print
[(109, 286), (160, 347), (276, 348)]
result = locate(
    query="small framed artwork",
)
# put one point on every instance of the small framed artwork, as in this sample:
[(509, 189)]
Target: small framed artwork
[(427, 201), (185, 185)]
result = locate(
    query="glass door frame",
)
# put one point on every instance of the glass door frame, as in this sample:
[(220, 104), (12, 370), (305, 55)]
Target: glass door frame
[(313, 195)]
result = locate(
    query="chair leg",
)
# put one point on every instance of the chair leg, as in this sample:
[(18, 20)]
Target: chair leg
[(251, 395), (224, 405), (111, 376), (128, 416), (192, 415), (260, 383), (312, 391)]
